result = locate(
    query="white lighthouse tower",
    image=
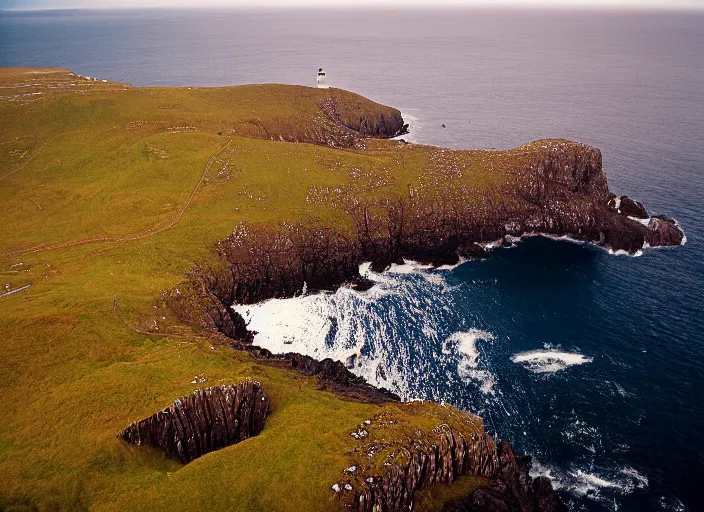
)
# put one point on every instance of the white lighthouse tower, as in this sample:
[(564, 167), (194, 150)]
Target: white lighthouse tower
[(322, 81)]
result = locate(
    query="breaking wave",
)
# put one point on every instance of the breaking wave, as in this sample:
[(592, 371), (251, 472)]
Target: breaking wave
[(549, 361), (465, 344), (369, 330), (420, 333), (597, 485)]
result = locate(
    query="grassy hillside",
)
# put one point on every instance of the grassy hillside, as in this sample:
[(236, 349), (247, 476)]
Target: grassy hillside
[(108, 195)]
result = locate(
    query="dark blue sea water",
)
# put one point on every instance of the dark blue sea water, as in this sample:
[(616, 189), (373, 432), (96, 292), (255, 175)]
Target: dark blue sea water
[(612, 405)]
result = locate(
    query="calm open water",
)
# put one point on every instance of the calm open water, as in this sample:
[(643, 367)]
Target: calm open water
[(616, 416)]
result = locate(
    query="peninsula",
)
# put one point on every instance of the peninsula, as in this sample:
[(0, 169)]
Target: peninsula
[(134, 218)]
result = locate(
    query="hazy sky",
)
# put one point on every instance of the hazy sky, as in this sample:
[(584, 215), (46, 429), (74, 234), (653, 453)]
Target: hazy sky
[(59, 4)]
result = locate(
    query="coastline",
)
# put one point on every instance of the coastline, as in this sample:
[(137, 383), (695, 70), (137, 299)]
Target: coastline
[(371, 215)]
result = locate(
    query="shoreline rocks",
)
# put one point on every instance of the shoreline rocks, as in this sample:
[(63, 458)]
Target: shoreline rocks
[(452, 450), (559, 190), (511, 489)]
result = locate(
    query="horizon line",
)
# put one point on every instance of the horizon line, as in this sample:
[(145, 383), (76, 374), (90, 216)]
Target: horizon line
[(480, 6)]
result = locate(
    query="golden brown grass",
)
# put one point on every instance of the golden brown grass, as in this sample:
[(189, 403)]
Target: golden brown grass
[(108, 195)]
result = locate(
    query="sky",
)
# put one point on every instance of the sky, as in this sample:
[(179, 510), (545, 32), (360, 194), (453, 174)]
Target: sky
[(106, 4)]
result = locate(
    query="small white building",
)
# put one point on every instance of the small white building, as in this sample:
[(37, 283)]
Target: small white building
[(322, 80)]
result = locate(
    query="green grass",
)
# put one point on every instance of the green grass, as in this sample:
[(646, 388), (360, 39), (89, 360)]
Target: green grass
[(94, 161)]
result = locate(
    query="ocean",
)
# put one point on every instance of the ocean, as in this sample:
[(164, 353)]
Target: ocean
[(590, 362)]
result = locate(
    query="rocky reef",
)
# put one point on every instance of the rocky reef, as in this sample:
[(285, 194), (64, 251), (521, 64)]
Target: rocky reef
[(204, 421)]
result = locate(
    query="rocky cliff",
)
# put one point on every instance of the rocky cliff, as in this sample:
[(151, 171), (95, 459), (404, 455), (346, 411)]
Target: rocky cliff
[(553, 188), (356, 113), (388, 471), (511, 488), (205, 421), (559, 190), (548, 187)]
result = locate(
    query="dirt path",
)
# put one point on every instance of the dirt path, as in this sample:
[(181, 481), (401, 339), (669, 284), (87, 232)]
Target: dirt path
[(112, 240), (16, 290)]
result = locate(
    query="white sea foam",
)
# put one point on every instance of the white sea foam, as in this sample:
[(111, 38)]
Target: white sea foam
[(671, 503), (549, 361), (414, 127), (484, 377), (684, 235), (621, 252), (408, 267), (645, 221), (599, 485), (452, 267), (465, 344), (620, 390), (370, 325), (594, 481)]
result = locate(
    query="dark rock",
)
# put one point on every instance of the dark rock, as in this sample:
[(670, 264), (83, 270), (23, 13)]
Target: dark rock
[(353, 112), (511, 489), (362, 284), (627, 206), (507, 241), (544, 497), (441, 459), (332, 375), (204, 421), (663, 231), (445, 258), (473, 250), (444, 458), (228, 322), (350, 361)]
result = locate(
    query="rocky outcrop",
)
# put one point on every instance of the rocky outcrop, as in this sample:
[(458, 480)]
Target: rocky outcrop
[(663, 231), (511, 489), (353, 112), (448, 453), (658, 231), (627, 206), (204, 421), (332, 375), (426, 463), (555, 188)]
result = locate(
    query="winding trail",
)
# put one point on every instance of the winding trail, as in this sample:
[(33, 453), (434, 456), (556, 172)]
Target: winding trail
[(112, 240)]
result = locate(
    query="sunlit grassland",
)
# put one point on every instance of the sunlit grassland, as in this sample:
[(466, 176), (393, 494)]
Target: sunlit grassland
[(108, 195)]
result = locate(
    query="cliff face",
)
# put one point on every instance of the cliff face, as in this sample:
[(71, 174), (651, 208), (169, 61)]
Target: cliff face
[(332, 375), (555, 188), (511, 488), (395, 460), (440, 460), (205, 421), (547, 187), (326, 117), (354, 112), (558, 190)]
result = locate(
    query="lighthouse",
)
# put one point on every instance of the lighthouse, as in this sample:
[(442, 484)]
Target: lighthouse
[(322, 82)]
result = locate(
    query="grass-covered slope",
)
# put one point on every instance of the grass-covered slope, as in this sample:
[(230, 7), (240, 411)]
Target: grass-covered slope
[(108, 195)]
